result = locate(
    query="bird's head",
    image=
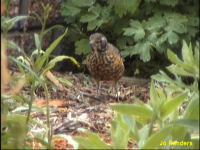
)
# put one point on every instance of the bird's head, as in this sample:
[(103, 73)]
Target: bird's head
[(98, 42)]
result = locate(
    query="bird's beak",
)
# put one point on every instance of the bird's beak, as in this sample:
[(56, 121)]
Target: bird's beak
[(91, 42)]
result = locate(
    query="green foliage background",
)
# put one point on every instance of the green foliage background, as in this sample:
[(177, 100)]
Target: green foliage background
[(142, 30)]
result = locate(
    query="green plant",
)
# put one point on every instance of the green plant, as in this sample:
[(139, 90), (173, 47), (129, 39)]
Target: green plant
[(33, 70), (160, 122), (142, 28)]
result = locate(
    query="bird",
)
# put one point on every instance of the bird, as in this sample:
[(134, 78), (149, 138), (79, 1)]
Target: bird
[(104, 61)]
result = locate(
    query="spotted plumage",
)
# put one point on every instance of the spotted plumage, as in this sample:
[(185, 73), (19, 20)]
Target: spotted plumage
[(104, 61)]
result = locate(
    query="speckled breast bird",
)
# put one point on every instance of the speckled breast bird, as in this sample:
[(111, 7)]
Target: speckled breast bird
[(104, 62)]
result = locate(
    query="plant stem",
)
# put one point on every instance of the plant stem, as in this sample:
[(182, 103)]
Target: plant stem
[(48, 110), (30, 103)]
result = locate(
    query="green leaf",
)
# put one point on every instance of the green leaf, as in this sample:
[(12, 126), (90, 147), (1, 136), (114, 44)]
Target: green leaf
[(179, 71), (141, 112), (52, 28), (162, 77), (93, 141), (173, 104), (154, 141), (41, 60), (119, 128), (65, 81), (143, 135), (172, 37), (53, 62), (196, 56), (155, 23), (155, 99), (162, 39), (36, 52), (142, 48), (12, 45), (192, 124), (174, 59), (82, 47), (178, 131), (176, 22), (88, 18), (37, 41), (187, 53), (153, 37), (192, 110), (69, 9), (136, 29), (26, 108), (123, 7), (26, 67), (7, 23)]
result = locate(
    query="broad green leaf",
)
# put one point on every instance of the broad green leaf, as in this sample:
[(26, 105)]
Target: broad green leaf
[(178, 131), (141, 112), (88, 18), (93, 141), (37, 41), (192, 124), (95, 9), (92, 25), (187, 53), (196, 58), (143, 135), (142, 48), (53, 62), (119, 128), (41, 60), (123, 7), (162, 77), (69, 9), (162, 39), (192, 110), (136, 29), (154, 141), (155, 99), (153, 37), (179, 71), (176, 22), (82, 47), (154, 23), (172, 37), (141, 103), (172, 105), (174, 59), (65, 81)]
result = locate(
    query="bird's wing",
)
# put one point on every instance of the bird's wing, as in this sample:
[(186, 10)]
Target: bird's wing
[(113, 48)]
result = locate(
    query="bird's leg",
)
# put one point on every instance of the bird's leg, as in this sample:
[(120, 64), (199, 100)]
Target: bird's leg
[(98, 86), (116, 89), (110, 90)]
